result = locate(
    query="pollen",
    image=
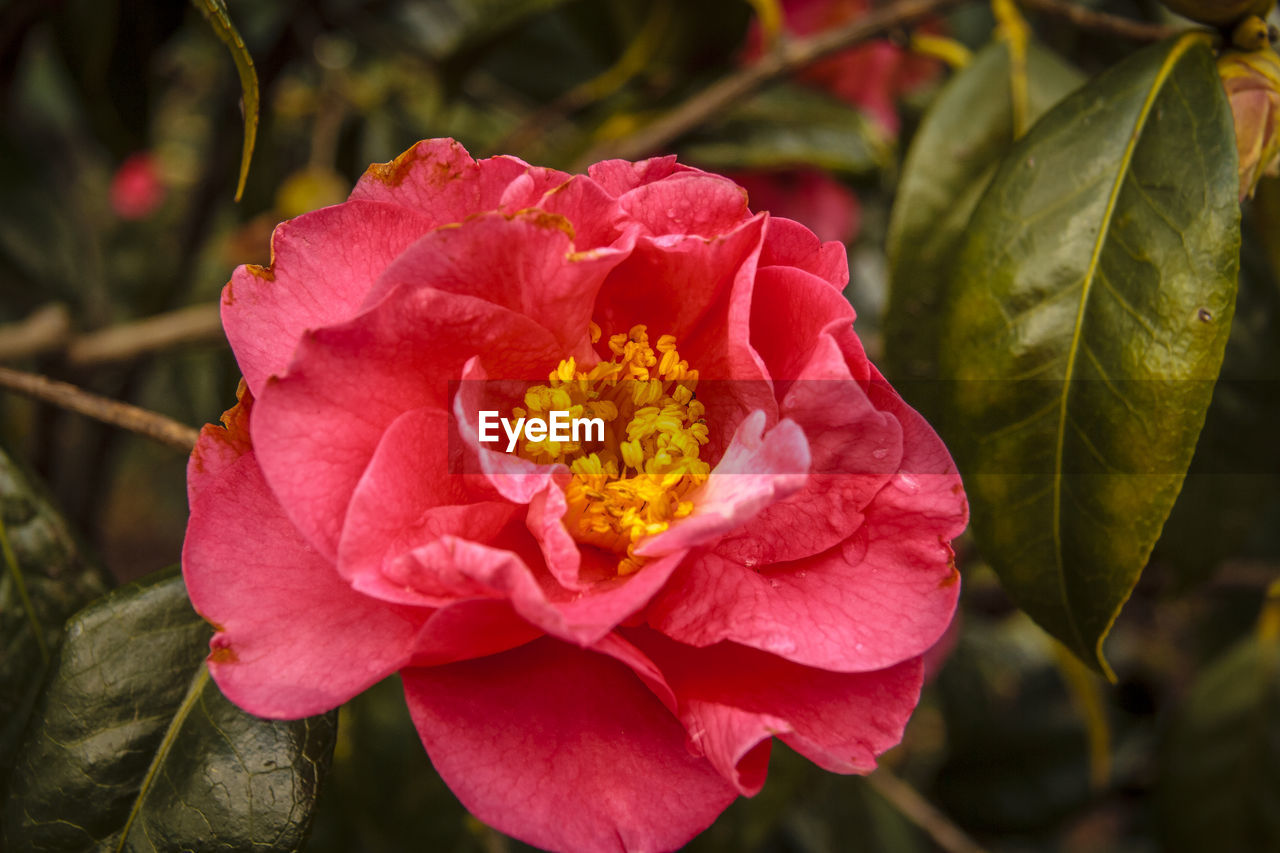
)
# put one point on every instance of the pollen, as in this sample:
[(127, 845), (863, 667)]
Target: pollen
[(638, 479)]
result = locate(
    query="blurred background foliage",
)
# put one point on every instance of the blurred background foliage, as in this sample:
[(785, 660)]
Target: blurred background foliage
[(119, 153)]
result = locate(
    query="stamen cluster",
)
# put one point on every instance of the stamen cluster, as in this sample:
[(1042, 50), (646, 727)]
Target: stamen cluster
[(638, 480)]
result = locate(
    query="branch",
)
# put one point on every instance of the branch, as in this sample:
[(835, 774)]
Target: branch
[(66, 396), (194, 324), (922, 813), (788, 57), (48, 330), (1114, 25)]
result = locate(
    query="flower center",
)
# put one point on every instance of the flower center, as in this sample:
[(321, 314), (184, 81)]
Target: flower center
[(636, 481)]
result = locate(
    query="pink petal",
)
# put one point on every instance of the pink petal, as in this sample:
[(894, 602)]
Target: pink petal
[(292, 638), (755, 472), (471, 629), (596, 216), (565, 749), (618, 177), (409, 496), (322, 266), (883, 596), (854, 446), (450, 569), (219, 446), (732, 698), (439, 179), (790, 244), (695, 203), (316, 429), (700, 291), (524, 262)]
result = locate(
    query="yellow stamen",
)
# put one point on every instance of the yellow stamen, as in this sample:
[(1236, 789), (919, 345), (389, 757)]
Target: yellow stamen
[(635, 482)]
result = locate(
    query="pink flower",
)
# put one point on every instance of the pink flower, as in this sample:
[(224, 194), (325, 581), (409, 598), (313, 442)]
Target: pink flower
[(598, 652), (136, 188)]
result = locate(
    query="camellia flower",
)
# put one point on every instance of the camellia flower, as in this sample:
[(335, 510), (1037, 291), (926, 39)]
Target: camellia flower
[(598, 637)]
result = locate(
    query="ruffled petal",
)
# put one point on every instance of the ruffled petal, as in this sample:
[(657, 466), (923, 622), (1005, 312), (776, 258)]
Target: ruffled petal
[(292, 638), (883, 596), (756, 471), (790, 244), (316, 429), (565, 749), (524, 262), (451, 569), (322, 267), (694, 203), (439, 179), (732, 698)]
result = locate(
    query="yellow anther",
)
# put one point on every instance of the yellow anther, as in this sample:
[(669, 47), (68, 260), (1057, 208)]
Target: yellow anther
[(637, 481)]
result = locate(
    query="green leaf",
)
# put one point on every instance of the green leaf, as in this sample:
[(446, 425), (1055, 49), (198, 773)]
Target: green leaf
[(789, 126), (1089, 311), (951, 161), (44, 579), (1220, 786), (133, 747), (215, 12)]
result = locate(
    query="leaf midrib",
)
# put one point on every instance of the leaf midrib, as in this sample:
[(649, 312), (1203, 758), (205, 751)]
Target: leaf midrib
[(1166, 68), (192, 696)]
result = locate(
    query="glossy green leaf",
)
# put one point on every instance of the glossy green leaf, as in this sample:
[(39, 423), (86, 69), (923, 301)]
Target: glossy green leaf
[(215, 12), (1089, 311), (47, 580), (1219, 788), (952, 158), (789, 126), (133, 747)]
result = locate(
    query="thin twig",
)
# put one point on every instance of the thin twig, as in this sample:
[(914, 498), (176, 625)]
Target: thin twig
[(108, 411), (789, 56), (922, 813), (1088, 19), (48, 330)]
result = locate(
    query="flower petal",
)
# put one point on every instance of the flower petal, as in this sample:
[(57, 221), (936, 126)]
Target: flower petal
[(314, 280), (755, 472), (451, 568), (409, 496), (694, 203), (790, 244), (732, 698), (293, 639), (316, 429), (438, 178), (883, 596), (618, 177), (565, 749), (524, 262)]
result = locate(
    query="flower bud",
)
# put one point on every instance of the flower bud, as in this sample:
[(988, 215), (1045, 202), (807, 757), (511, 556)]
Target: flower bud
[(1252, 81)]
